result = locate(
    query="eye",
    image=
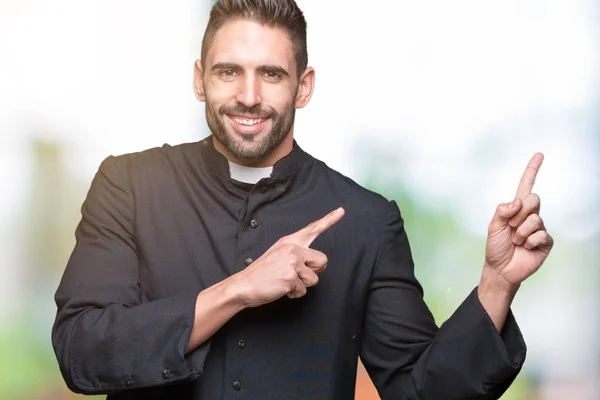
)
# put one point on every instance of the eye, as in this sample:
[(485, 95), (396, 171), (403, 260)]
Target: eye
[(228, 74), (271, 76)]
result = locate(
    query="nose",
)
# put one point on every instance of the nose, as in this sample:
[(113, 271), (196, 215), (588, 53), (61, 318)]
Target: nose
[(249, 93)]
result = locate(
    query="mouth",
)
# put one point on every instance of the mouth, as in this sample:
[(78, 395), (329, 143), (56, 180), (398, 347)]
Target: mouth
[(247, 124)]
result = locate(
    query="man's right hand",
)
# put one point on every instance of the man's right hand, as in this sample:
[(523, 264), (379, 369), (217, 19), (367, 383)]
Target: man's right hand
[(287, 268)]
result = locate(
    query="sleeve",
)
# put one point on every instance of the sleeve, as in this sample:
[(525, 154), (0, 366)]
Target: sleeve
[(405, 354), (105, 339)]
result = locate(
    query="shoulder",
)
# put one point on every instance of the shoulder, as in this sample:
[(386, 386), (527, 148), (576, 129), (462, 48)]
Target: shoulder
[(150, 164), (355, 197)]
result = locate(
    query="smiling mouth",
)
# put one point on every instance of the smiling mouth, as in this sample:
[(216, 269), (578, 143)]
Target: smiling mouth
[(247, 126), (246, 121)]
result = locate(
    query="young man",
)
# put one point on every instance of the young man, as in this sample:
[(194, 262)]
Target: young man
[(207, 270)]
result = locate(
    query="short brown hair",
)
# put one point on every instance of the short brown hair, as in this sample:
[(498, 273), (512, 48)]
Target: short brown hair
[(281, 13)]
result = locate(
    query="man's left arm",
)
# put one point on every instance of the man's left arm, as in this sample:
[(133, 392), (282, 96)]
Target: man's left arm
[(517, 245), (478, 351)]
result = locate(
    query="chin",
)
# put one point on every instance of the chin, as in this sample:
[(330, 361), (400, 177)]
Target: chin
[(245, 149)]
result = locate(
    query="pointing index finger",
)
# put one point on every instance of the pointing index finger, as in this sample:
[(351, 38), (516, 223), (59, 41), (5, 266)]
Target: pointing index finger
[(528, 178), (305, 236)]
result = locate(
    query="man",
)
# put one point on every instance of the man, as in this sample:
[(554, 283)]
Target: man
[(218, 270)]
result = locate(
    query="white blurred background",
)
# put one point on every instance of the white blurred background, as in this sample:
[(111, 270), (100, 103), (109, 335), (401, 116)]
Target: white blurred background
[(437, 104)]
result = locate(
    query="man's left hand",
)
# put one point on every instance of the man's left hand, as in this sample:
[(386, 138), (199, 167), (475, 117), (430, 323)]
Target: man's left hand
[(518, 242)]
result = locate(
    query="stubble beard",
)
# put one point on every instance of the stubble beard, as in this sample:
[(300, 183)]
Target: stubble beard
[(250, 147)]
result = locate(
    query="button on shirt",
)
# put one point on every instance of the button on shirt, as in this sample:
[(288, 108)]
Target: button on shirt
[(162, 225)]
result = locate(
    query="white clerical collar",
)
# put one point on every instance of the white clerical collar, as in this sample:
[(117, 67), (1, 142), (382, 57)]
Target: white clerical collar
[(248, 174)]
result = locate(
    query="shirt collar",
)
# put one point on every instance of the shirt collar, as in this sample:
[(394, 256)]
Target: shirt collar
[(248, 174), (282, 170)]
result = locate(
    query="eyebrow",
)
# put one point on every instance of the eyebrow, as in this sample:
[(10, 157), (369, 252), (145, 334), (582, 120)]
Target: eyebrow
[(225, 65), (273, 69), (263, 68)]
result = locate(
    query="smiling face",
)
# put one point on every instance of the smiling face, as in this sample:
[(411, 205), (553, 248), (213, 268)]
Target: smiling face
[(250, 86)]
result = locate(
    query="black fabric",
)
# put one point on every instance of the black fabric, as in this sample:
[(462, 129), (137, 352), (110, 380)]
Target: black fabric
[(161, 225)]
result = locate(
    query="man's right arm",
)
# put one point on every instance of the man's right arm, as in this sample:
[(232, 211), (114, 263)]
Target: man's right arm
[(107, 340)]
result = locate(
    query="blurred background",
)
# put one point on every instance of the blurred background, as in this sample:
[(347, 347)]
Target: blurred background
[(436, 104)]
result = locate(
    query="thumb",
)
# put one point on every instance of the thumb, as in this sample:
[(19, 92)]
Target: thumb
[(505, 212)]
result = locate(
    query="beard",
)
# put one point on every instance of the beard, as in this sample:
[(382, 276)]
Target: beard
[(250, 146)]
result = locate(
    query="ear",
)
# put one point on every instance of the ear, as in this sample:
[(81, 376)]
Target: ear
[(198, 83), (306, 85)]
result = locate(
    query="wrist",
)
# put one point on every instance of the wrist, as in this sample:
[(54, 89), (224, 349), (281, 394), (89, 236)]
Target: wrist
[(496, 295), (215, 306), (235, 292), (493, 284)]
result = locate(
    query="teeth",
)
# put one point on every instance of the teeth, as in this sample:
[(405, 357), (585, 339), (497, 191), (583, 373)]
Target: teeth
[(245, 121)]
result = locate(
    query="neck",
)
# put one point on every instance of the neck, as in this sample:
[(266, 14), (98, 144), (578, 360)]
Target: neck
[(284, 148)]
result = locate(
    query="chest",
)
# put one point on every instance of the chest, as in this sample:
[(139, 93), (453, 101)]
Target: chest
[(190, 240)]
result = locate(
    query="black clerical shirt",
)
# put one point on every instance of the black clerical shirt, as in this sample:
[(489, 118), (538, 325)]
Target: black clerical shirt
[(161, 225)]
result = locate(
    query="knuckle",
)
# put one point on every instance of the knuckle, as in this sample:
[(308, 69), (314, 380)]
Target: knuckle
[(293, 259), (545, 237), (301, 291), (542, 237), (536, 219), (502, 209), (290, 275), (311, 279), (291, 289), (283, 240), (535, 198), (319, 258)]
